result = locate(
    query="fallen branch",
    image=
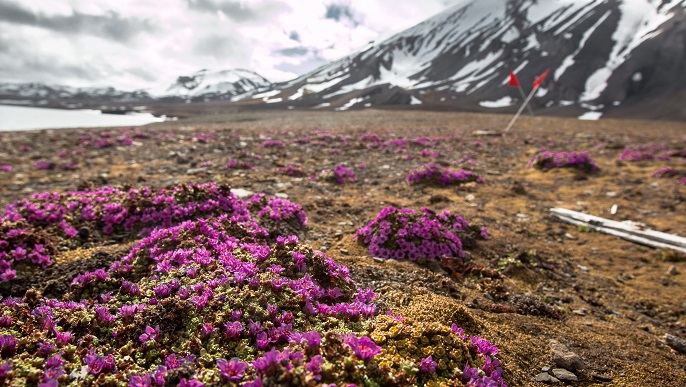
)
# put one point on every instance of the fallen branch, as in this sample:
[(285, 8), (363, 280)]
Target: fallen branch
[(626, 230)]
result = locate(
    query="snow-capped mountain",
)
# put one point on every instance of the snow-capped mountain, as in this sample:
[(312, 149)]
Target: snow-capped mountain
[(37, 92), (201, 86), (206, 85), (621, 57)]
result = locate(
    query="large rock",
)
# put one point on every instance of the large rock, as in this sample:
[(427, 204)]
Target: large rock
[(564, 358)]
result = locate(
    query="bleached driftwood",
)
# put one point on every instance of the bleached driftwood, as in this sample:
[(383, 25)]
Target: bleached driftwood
[(628, 230)]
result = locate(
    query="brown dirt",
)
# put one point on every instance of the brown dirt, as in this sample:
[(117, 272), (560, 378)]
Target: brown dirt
[(608, 300)]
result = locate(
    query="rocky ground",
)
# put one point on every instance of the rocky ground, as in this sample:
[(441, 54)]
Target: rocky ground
[(560, 302)]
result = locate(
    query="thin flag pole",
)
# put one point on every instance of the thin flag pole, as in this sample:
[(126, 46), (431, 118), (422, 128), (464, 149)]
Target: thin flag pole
[(521, 91), (521, 109)]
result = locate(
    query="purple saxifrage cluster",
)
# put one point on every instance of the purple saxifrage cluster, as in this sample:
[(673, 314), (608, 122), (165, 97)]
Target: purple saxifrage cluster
[(30, 229), (339, 175), (436, 174), (680, 175), (404, 233), (546, 160), (295, 170)]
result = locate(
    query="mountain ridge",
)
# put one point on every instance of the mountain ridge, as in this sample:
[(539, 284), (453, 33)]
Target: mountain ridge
[(462, 56)]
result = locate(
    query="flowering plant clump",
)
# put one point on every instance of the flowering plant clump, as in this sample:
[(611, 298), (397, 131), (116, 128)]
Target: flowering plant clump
[(272, 144), (404, 233), (279, 216), (122, 137), (648, 153), (680, 175), (436, 174), (295, 170), (238, 164), (419, 353), (339, 175), (546, 160), (31, 229)]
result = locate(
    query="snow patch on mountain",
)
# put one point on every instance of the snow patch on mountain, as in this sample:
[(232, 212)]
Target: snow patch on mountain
[(503, 102)]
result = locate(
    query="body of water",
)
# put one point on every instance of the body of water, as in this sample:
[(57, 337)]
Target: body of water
[(28, 118)]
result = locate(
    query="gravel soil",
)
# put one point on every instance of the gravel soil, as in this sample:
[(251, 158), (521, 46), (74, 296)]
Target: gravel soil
[(538, 289)]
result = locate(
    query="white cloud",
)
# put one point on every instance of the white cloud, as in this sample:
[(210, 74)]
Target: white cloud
[(79, 41)]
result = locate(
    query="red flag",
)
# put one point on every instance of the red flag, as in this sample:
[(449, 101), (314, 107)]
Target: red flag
[(513, 82), (540, 79)]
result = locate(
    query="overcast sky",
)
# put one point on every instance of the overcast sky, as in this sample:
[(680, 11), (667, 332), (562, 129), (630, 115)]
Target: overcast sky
[(138, 44)]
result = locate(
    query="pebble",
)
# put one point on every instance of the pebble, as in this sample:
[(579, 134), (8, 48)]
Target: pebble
[(545, 369), (241, 193), (281, 195), (672, 271), (675, 343), (470, 197), (564, 375), (344, 251), (545, 377), (580, 312), (602, 378)]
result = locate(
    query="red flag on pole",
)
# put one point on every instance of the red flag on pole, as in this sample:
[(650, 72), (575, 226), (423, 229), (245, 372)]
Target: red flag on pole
[(513, 82), (540, 79)]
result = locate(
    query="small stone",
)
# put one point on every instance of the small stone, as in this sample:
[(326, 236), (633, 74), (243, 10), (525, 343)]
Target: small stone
[(470, 197), (564, 358), (544, 377), (675, 343), (569, 236), (84, 232), (344, 251), (583, 268), (672, 271), (281, 195), (602, 378), (241, 193), (564, 375), (580, 312), (545, 369)]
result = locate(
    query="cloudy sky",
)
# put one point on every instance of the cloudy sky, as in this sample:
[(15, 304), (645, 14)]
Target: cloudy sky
[(134, 44)]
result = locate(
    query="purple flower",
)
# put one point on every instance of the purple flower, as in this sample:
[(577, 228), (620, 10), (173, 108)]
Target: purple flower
[(232, 370), (315, 367), (428, 365), (233, 329), (158, 376), (364, 348), (5, 369), (483, 346), (5, 321), (190, 383), (8, 345), (266, 364), (63, 338), (139, 381), (99, 364), (150, 334), (207, 329), (44, 349)]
